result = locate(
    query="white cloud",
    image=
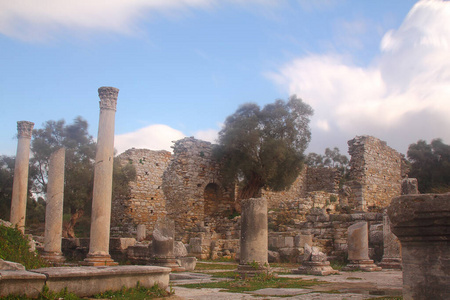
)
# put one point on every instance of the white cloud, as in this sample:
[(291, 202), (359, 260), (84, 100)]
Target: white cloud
[(400, 97), (153, 137), (33, 20), (209, 135)]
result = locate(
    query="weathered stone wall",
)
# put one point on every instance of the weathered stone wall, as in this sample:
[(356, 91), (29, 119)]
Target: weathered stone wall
[(322, 179), (193, 187), (147, 202), (375, 173)]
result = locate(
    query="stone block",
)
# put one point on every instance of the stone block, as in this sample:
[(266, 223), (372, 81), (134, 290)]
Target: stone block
[(21, 283), (289, 241), (87, 281)]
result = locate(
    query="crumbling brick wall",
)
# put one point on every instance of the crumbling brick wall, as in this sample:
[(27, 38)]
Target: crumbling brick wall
[(375, 173), (147, 202)]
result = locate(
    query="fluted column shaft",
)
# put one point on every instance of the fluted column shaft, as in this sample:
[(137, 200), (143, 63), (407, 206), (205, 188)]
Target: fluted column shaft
[(103, 173), (20, 184)]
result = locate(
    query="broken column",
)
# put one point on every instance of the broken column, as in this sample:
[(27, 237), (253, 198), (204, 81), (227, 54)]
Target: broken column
[(315, 263), (141, 232), (162, 245), (254, 237), (358, 249), (392, 258), (101, 199), (422, 224), (20, 184), (54, 207)]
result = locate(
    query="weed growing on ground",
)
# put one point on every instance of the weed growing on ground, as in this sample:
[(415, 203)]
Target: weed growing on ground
[(260, 281), (137, 293), (14, 247), (211, 266)]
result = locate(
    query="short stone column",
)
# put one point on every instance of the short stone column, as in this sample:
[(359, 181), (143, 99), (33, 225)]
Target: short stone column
[(163, 245), (54, 207), (422, 224), (358, 249), (20, 183), (141, 232), (254, 237), (392, 258), (103, 172)]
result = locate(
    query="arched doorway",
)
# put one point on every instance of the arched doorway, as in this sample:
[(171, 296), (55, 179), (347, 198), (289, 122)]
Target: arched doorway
[(212, 197)]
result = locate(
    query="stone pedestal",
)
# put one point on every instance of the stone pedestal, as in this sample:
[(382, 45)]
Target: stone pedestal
[(20, 184), (254, 237), (422, 224), (101, 199), (163, 244), (391, 247), (54, 207), (141, 232), (358, 249), (315, 263)]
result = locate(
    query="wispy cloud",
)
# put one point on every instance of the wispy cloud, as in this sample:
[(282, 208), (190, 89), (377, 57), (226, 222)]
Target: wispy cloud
[(406, 85), (33, 20)]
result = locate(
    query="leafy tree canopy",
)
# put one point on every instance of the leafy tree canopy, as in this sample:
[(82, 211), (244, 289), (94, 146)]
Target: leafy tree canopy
[(430, 164), (332, 158), (79, 164), (263, 148)]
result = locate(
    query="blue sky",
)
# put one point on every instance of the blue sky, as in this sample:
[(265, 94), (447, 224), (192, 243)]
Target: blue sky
[(379, 68)]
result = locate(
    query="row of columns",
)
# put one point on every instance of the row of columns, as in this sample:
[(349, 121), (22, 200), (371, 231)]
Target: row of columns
[(101, 201)]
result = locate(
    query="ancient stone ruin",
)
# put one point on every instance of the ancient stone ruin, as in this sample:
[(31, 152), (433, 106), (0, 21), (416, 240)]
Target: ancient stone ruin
[(188, 186)]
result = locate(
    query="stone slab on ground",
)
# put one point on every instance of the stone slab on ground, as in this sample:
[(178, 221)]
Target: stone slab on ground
[(20, 283), (86, 281)]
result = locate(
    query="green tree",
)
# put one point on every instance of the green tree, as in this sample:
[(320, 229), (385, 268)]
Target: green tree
[(332, 158), (79, 166), (6, 185), (263, 148), (430, 164)]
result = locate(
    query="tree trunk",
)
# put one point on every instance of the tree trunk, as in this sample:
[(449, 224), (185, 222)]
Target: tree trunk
[(68, 228)]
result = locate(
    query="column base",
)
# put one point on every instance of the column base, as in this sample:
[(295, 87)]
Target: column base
[(366, 265), (391, 263), (168, 263), (98, 260), (247, 271), (321, 268), (53, 257)]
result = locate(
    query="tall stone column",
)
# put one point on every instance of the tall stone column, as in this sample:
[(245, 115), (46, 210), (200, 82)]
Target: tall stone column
[(103, 172), (20, 184), (254, 237), (54, 207), (422, 224)]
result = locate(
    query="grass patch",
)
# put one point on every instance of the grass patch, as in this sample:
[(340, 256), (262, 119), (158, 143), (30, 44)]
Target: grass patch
[(337, 265), (14, 247), (212, 266), (136, 293), (261, 281)]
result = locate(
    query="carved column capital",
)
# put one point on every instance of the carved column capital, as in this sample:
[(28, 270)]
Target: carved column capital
[(24, 129), (108, 97)]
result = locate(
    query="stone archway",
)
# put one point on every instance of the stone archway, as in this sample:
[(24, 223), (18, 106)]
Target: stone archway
[(212, 197)]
